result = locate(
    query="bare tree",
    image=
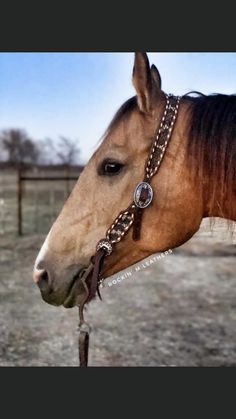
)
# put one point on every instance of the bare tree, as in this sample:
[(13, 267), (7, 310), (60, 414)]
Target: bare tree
[(18, 147), (48, 154), (3, 153), (65, 151), (68, 151)]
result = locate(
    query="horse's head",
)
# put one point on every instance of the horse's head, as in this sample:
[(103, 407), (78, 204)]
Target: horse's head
[(106, 187)]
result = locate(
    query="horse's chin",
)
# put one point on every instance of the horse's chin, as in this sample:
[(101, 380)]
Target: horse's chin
[(71, 297), (74, 293)]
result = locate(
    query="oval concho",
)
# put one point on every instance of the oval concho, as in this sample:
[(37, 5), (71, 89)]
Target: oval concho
[(143, 195)]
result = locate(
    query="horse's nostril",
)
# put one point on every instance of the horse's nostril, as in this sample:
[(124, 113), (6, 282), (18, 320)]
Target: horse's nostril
[(41, 278), (44, 276)]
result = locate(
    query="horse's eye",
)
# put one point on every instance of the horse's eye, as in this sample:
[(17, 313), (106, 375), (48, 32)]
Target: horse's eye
[(110, 168)]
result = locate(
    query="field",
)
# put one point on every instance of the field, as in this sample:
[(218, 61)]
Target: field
[(179, 311)]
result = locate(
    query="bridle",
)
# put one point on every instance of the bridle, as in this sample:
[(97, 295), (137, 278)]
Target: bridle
[(143, 196)]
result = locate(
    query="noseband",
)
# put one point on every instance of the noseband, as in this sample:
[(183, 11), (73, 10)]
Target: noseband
[(131, 216)]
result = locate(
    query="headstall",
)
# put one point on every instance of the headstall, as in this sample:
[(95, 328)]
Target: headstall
[(143, 196)]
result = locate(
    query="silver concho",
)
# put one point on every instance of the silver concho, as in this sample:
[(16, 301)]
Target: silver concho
[(143, 195), (106, 245)]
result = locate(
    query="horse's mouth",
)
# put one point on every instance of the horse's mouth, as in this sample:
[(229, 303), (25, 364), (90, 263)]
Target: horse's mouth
[(70, 296), (76, 290)]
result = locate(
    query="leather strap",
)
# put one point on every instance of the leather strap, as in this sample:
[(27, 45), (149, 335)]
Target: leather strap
[(138, 215), (98, 262), (84, 328), (83, 348), (132, 215)]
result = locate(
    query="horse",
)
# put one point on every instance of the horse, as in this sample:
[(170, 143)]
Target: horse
[(196, 179)]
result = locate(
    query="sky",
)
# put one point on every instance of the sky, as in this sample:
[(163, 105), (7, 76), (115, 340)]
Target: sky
[(76, 94)]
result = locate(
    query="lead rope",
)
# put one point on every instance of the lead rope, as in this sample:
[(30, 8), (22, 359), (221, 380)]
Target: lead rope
[(143, 196), (93, 269), (84, 328)]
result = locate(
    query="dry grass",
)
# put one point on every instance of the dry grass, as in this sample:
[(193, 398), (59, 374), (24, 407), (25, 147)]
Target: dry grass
[(180, 311)]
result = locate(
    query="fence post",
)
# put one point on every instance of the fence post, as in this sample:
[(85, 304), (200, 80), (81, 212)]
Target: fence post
[(19, 202)]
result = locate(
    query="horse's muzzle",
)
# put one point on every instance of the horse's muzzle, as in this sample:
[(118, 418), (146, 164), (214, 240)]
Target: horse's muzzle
[(56, 291)]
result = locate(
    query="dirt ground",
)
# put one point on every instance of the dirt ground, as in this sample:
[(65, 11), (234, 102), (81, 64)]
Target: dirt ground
[(179, 311)]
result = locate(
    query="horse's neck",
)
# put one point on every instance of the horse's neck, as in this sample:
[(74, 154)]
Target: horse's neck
[(223, 208)]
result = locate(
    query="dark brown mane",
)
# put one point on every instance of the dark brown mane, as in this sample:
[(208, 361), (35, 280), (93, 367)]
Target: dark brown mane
[(212, 144), (211, 141)]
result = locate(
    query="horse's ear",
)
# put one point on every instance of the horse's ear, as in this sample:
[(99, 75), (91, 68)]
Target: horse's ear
[(156, 76), (146, 80)]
